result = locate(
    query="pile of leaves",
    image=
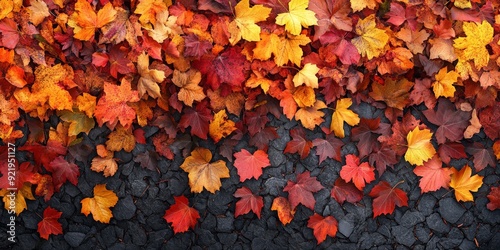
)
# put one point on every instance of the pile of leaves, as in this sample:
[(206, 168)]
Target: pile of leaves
[(219, 70)]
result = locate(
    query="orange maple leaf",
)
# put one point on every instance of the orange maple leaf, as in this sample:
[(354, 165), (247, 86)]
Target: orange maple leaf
[(100, 204), (85, 20), (202, 173)]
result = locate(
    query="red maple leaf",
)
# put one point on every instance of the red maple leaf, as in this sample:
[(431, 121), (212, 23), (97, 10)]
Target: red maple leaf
[(196, 47), (382, 157), (256, 121), (10, 34), (329, 147), (434, 176), (50, 224), (118, 61), (248, 201), (198, 119), (343, 191), (299, 144), (452, 122), (44, 154), (367, 132), (494, 197), (302, 190), (24, 173), (360, 174), (386, 198), (250, 165), (450, 150), (482, 156), (63, 171), (322, 226), (261, 140), (490, 119), (181, 215)]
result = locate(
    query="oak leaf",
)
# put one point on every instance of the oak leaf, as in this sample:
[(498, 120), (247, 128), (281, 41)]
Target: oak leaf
[(296, 17), (434, 176), (100, 204), (245, 20), (371, 40), (343, 114), (359, 174), (181, 215), (220, 126), (386, 198), (474, 44), (463, 182), (494, 198), (343, 191), (420, 148), (202, 173), (50, 224), (85, 20), (250, 165), (301, 191), (188, 82), (284, 209), (322, 226), (248, 201)]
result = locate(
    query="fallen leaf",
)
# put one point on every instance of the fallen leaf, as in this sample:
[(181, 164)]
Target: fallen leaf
[(343, 114), (250, 165), (107, 165), (386, 198), (100, 204), (188, 82), (322, 226), (248, 202), (301, 191), (371, 40), (343, 191), (202, 173), (473, 46), (299, 143), (463, 182), (434, 176), (220, 126), (420, 148), (296, 17), (181, 215), (50, 224), (359, 174), (307, 76), (494, 198), (85, 21), (246, 17), (284, 209)]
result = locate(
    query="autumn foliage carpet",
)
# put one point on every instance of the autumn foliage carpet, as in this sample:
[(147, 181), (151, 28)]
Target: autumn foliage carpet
[(224, 124)]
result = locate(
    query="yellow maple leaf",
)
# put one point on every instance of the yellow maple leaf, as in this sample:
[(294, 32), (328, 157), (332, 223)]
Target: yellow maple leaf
[(18, 198), (371, 41), (9, 110), (463, 4), (443, 86), (148, 83), (304, 96), (296, 17), (463, 182), (310, 117), (6, 8), (100, 204), (107, 165), (38, 11), (119, 139), (148, 10), (202, 173), (420, 148), (358, 5), (245, 20), (474, 44), (164, 27), (307, 76), (220, 126), (343, 114), (86, 103), (78, 122), (265, 47), (85, 21), (257, 79), (288, 49), (188, 82)]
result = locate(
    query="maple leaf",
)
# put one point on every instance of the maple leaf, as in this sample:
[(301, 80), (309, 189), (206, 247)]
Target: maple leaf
[(10, 34), (106, 164), (434, 176), (463, 182), (248, 201), (307, 76), (202, 173), (85, 21), (386, 198), (343, 191), (420, 148), (38, 11), (220, 126), (343, 114), (329, 147), (359, 174), (395, 93), (322, 226), (261, 140), (188, 82), (284, 209), (50, 224), (296, 16), (443, 86), (358, 5), (367, 133), (164, 27), (63, 171), (20, 197), (490, 121), (330, 14), (421, 93), (148, 9), (414, 40), (494, 198), (100, 204), (181, 215), (250, 165), (44, 154), (118, 61), (149, 77), (301, 191), (287, 49), (113, 108), (119, 139), (310, 117), (198, 119), (443, 49), (245, 20), (474, 44), (453, 150), (452, 123), (371, 40), (482, 156), (78, 122), (299, 143)]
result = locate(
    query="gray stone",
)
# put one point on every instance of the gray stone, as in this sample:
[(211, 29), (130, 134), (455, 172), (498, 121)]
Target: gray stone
[(467, 245), (274, 185), (435, 222), (225, 224), (227, 238), (403, 235), (30, 220), (124, 209), (450, 210), (74, 239), (453, 240), (205, 237), (276, 157), (137, 234), (138, 187), (411, 218), (423, 234), (346, 227), (426, 204)]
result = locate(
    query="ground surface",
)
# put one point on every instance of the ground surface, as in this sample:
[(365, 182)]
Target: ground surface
[(431, 221)]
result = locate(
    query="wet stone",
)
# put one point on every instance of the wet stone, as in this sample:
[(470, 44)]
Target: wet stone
[(275, 185), (74, 239), (435, 222), (403, 235), (137, 233), (450, 210), (467, 245)]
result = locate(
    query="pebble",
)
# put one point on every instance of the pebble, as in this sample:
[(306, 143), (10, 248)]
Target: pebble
[(124, 209), (74, 239), (450, 210)]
